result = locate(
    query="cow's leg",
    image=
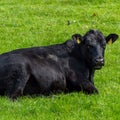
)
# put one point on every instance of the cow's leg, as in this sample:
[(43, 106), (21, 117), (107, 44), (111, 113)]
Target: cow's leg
[(91, 76), (17, 82), (88, 87)]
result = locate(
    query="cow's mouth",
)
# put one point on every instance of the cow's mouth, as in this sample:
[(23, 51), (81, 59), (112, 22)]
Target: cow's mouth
[(97, 67), (98, 63)]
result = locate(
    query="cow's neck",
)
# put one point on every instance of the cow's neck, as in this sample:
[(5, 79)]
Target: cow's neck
[(76, 52)]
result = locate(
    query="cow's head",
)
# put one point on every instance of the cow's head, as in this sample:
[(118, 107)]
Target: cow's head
[(92, 46)]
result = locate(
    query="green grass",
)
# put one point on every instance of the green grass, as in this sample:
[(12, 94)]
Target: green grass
[(43, 22)]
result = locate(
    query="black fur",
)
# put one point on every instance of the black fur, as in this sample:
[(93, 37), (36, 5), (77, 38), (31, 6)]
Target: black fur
[(63, 67)]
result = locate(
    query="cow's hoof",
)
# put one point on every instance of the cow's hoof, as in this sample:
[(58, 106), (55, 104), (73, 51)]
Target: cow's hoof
[(15, 95), (91, 90)]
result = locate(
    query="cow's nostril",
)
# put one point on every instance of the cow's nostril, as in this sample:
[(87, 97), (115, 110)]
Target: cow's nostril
[(99, 61)]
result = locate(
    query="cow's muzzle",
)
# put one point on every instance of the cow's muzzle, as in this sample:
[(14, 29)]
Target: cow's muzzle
[(98, 63)]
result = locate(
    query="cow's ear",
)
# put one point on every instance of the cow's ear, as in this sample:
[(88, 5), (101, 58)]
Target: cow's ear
[(77, 37), (111, 38)]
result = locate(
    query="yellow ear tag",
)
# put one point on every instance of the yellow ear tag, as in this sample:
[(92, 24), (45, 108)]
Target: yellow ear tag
[(78, 41), (110, 41)]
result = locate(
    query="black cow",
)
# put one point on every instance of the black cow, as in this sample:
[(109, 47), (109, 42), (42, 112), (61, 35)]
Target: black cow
[(63, 67)]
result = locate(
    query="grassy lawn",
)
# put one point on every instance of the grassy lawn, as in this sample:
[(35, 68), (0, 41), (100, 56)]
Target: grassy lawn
[(27, 23)]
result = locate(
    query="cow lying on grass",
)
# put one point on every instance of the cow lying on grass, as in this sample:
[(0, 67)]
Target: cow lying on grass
[(63, 67)]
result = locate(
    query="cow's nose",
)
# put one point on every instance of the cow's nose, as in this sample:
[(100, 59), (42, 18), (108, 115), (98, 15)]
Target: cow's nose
[(99, 61)]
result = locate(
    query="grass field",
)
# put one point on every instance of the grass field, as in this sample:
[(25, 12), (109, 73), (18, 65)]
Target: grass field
[(43, 22)]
